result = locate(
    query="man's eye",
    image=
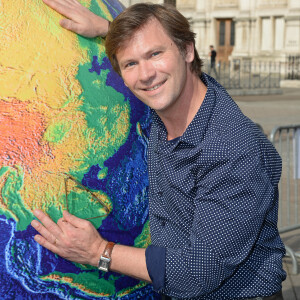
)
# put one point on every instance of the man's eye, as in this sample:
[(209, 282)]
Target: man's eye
[(130, 64), (156, 53)]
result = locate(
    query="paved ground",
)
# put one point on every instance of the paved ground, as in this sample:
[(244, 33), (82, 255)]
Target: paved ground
[(270, 111)]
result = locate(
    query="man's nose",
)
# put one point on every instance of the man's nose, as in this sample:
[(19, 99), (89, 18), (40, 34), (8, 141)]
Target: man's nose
[(146, 71)]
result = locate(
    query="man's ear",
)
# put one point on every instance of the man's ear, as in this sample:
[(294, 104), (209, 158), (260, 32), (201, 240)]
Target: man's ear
[(190, 53)]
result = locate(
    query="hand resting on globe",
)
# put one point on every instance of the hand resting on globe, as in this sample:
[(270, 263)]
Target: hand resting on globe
[(78, 18), (72, 238)]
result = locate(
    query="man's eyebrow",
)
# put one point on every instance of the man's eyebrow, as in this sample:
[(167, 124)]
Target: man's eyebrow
[(126, 61), (154, 49), (146, 54)]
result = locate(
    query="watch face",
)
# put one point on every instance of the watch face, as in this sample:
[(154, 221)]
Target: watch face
[(104, 264)]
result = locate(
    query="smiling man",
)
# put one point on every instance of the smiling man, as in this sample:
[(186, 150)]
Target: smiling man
[(157, 71), (213, 175)]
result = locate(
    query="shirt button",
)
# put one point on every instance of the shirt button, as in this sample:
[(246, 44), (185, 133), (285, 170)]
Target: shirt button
[(160, 193), (163, 223)]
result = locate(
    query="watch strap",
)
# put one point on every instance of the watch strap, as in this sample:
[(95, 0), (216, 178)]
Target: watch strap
[(105, 258), (108, 249)]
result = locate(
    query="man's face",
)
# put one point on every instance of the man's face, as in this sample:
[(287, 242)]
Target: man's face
[(153, 68)]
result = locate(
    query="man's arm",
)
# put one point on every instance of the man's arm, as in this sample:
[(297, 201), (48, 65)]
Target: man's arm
[(78, 18), (77, 240), (233, 197)]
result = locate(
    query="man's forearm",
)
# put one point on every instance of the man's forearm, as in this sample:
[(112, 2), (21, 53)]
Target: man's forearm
[(77, 240), (130, 261)]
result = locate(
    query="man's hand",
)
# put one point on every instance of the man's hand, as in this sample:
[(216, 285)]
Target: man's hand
[(79, 19), (73, 238)]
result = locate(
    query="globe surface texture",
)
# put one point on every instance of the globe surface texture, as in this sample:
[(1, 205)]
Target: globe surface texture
[(72, 137)]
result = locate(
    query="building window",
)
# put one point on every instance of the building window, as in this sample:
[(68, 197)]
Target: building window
[(232, 33), (222, 33), (279, 33), (266, 34), (172, 2)]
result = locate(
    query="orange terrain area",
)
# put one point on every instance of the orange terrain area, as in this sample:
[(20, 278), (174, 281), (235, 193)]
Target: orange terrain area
[(21, 132)]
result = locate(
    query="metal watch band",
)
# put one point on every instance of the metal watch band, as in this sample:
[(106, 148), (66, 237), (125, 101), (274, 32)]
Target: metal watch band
[(105, 258)]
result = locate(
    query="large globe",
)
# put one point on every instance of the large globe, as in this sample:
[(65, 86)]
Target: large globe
[(71, 137)]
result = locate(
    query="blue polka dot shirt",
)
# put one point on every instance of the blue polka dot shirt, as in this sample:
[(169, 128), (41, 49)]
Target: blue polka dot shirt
[(213, 206)]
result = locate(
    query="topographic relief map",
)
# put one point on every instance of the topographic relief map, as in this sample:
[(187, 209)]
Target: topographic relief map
[(71, 137)]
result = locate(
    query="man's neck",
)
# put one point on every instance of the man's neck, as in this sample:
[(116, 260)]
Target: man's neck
[(177, 120)]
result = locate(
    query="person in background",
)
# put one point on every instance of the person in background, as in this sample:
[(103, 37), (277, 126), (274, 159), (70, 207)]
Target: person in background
[(213, 176), (213, 54)]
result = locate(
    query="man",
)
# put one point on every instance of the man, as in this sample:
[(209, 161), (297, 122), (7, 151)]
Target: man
[(213, 175), (213, 55)]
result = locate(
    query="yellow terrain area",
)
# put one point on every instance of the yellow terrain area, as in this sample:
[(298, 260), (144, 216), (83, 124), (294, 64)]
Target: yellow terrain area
[(39, 99)]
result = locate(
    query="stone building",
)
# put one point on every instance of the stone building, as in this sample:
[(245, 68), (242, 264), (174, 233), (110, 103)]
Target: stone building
[(259, 30)]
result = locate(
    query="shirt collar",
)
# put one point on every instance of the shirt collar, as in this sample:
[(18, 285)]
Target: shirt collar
[(194, 133), (196, 130)]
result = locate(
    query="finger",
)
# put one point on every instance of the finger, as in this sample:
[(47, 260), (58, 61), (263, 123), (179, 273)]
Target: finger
[(56, 5), (48, 223), (43, 231), (45, 243), (69, 25), (63, 224), (62, 220), (65, 8), (76, 3), (73, 220)]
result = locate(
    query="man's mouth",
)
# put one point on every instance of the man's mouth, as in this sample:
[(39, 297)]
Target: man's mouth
[(155, 87)]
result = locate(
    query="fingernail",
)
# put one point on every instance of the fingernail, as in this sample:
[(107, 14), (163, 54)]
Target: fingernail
[(37, 238), (37, 212), (34, 223)]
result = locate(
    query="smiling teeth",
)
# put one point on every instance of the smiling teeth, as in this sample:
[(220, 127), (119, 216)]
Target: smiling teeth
[(154, 88)]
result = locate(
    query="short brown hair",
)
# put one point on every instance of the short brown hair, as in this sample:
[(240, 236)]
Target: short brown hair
[(137, 15)]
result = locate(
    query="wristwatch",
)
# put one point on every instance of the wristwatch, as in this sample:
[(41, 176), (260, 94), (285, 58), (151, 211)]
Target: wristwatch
[(105, 258)]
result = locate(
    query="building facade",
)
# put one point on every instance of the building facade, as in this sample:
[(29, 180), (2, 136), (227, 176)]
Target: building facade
[(259, 30)]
